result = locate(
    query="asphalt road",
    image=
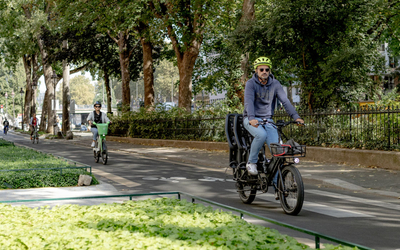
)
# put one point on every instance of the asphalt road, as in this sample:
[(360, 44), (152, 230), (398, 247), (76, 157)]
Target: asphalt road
[(363, 218)]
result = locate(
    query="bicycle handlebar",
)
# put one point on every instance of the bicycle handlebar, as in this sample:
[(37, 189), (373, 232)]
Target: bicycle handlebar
[(94, 123), (279, 123)]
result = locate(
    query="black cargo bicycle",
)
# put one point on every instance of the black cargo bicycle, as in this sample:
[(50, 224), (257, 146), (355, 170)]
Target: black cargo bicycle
[(289, 184)]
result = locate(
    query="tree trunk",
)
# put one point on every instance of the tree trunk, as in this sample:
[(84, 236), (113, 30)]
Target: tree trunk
[(108, 89), (147, 48), (290, 92), (185, 67), (186, 61), (44, 119), (66, 98), (35, 79), (28, 87), (248, 15), (125, 76)]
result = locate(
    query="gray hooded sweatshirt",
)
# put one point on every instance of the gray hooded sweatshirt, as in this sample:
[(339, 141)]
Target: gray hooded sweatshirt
[(260, 100)]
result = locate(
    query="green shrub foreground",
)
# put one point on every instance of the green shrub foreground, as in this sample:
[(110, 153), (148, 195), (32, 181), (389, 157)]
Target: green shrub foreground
[(13, 157), (161, 223)]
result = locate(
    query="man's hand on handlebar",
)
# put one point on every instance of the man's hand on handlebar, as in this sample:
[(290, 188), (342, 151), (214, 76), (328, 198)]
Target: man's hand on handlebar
[(254, 123), (300, 122)]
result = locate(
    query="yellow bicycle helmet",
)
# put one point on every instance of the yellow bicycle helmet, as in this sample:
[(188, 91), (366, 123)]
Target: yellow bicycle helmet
[(262, 61)]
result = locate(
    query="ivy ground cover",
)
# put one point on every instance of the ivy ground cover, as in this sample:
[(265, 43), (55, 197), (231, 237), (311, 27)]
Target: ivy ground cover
[(13, 157), (162, 223)]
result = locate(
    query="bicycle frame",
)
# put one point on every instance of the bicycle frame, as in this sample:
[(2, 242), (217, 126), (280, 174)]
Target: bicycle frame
[(100, 139), (289, 185)]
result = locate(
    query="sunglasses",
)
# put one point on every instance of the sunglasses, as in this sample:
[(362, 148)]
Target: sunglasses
[(262, 70), (97, 106)]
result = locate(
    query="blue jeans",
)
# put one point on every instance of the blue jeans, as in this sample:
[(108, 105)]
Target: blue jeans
[(263, 134), (95, 133)]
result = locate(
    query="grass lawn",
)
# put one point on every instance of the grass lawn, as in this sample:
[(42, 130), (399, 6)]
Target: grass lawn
[(13, 157)]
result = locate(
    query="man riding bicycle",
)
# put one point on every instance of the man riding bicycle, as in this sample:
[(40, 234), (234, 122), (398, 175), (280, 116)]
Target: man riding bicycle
[(261, 93), (33, 123), (5, 124), (98, 117)]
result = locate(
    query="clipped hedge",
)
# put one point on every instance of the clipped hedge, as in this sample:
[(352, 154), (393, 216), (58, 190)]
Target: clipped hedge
[(151, 224), (13, 157), (205, 124)]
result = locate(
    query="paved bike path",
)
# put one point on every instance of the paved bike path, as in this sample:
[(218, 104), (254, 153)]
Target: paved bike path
[(355, 178), (214, 163)]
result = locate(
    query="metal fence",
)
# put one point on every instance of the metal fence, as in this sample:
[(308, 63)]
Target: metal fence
[(361, 127)]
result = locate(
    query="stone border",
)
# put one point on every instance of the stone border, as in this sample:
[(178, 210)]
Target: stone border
[(368, 158)]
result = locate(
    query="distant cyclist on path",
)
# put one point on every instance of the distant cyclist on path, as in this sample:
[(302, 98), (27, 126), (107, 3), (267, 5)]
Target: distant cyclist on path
[(260, 95), (33, 123), (98, 117), (5, 124)]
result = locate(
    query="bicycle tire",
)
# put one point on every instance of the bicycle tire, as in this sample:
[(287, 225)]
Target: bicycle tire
[(246, 195), (291, 195), (96, 156), (104, 157)]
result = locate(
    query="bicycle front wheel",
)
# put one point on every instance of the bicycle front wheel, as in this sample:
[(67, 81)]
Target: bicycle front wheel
[(104, 157), (291, 190)]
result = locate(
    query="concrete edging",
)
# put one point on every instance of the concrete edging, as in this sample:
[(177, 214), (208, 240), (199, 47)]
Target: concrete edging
[(375, 158)]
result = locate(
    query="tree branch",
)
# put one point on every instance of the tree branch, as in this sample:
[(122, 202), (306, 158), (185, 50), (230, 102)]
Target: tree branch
[(80, 68), (109, 34)]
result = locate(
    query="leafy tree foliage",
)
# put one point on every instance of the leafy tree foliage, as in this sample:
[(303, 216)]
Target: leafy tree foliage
[(82, 91), (166, 78), (11, 79), (324, 43)]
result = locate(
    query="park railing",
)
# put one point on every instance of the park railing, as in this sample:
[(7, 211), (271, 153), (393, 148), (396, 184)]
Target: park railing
[(367, 127), (360, 127), (317, 236)]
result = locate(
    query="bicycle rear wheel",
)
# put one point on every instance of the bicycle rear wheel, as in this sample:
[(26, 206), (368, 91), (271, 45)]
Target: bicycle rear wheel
[(291, 194), (247, 192)]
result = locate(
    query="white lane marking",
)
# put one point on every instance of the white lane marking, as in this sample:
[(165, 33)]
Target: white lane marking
[(150, 178), (321, 209), (118, 179), (178, 178), (315, 207), (355, 199), (343, 184), (215, 179)]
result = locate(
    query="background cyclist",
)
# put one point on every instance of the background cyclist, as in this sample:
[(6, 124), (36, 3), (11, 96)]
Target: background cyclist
[(33, 123), (260, 96), (98, 117), (5, 124)]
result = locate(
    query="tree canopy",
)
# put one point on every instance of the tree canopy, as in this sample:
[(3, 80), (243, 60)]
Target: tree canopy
[(327, 48)]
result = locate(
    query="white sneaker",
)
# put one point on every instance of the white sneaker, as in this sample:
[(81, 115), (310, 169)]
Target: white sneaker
[(252, 168), (93, 144)]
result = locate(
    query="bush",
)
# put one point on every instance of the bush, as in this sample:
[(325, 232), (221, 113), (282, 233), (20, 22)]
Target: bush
[(151, 224), (204, 124)]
